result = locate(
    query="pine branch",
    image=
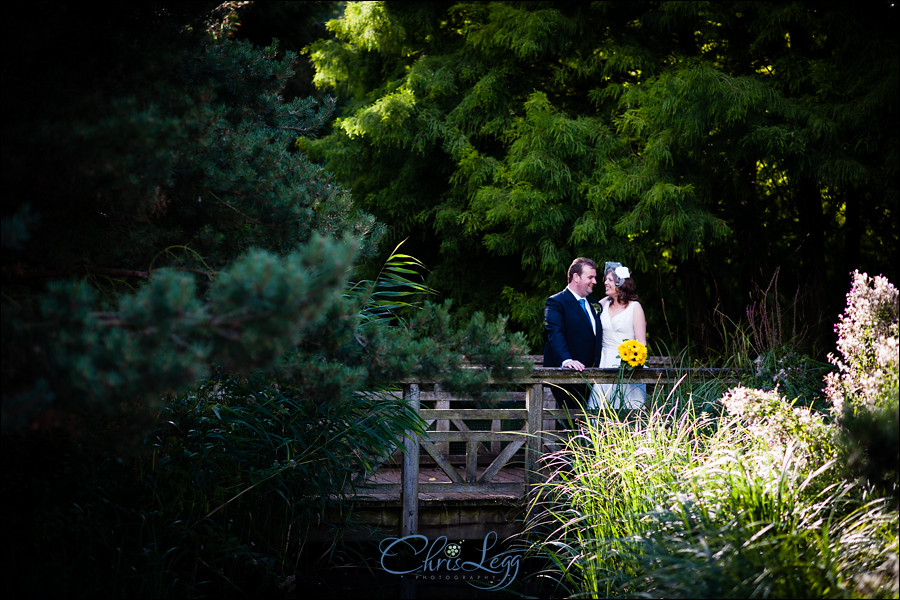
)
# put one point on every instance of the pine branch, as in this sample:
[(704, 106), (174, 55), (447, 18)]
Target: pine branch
[(13, 274)]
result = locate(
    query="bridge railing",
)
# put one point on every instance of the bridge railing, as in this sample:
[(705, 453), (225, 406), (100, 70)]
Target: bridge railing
[(515, 430)]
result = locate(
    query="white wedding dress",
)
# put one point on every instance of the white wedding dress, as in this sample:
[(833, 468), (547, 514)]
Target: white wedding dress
[(616, 330)]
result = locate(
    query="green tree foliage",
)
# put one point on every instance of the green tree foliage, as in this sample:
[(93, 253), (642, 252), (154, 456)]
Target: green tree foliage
[(190, 362), (706, 144), (294, 25), (161, 222), (150, 162)]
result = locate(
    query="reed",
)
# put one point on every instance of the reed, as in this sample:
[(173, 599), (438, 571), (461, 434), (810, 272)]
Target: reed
[(672, 503)]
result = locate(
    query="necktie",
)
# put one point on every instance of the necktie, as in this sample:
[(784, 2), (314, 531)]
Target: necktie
[(583, 303)]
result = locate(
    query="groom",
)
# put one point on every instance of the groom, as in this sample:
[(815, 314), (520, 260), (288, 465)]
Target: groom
[(572, 329)]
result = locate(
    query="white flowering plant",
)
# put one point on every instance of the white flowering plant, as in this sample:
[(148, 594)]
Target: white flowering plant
[(776, 425), (863, 392), (868, 364)]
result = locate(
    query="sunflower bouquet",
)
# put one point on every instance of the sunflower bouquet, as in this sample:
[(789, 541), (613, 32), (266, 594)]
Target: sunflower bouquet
[(633, 353)]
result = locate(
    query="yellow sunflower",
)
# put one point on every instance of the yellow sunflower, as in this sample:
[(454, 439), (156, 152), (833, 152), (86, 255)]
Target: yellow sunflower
[(633, 353)]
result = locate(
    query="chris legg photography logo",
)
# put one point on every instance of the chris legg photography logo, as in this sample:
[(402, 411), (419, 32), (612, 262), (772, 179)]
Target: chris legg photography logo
[(480, 563)]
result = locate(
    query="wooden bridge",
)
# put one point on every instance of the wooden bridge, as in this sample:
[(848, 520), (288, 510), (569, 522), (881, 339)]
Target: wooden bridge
[(478, 463)]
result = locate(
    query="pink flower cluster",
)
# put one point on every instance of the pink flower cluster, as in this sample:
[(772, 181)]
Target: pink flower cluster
[(868, 364)]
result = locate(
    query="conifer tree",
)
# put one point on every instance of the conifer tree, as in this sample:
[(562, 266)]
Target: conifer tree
[(192, 369), (703, 143), (160, 224)]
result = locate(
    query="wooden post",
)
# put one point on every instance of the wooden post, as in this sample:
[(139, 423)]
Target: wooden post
[(442, 401), (472, 461), (409, 520), (534, 404)]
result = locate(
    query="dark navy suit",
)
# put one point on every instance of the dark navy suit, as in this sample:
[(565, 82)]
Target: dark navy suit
[(568, 334)]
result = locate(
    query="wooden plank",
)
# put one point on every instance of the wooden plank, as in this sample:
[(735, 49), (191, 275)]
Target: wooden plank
[(652, 361), (442, 423), (377, 463), (380, 488), (507, 482), (566, 415), (549, 403), (440, 488), (474, 436), (568, 376), (484, 414), (436, 396), (495, 428), (534, 404), (472, 461), (409, 519), (559, 375), (553, 444), (433, 450), (500, 461), (472, 488), (460, 425)]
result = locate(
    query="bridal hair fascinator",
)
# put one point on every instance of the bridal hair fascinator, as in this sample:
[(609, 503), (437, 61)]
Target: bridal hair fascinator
[(619, 272)]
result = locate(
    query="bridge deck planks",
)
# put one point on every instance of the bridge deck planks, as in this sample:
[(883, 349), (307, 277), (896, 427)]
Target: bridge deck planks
[(391, 475)]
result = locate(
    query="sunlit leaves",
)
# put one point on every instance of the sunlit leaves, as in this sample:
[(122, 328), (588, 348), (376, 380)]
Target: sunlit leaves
[(610, 128), (527, 34)]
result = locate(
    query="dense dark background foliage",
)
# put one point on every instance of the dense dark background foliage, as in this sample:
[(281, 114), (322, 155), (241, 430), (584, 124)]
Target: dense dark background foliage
[(708, 145), (191, 367)]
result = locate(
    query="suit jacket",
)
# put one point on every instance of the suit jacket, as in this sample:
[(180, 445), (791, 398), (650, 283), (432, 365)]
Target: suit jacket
[(568, 331)]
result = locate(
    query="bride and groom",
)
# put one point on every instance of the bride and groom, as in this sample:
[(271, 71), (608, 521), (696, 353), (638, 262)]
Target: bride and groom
[(582, 332)]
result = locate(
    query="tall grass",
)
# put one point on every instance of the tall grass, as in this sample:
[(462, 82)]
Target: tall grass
[(685, 505), (585, 514)]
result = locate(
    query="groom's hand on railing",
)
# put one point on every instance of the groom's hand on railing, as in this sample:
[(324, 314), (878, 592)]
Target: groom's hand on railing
[(571, 363)]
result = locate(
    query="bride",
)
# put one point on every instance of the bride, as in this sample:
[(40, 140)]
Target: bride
[(623, 319)]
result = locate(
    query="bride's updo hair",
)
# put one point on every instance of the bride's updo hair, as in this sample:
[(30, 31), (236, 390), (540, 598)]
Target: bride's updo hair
[(627, 291)]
